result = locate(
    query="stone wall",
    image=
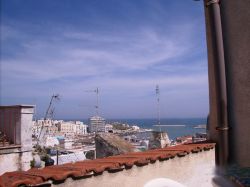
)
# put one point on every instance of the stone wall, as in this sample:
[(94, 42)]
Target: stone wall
[(109, 144), (158, 140)]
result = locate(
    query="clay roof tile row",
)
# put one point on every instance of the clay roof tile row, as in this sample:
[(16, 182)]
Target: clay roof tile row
[(88, 168)]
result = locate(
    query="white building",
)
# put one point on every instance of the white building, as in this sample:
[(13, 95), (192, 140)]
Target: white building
[(108, 127), (80, 128), (50, 142), (54, 127), (97, 124), (72, 127), (50, 125), (66, 128), (69, 158), (136, 128)]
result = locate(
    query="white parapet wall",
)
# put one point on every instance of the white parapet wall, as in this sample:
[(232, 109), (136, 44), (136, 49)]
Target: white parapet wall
[(193, 170), (16, 124), (15, 161)]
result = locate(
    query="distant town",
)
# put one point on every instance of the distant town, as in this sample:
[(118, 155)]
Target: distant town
[(48, 141), (67, 141)]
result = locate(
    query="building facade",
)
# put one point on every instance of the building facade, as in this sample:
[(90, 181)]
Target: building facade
[(96, 124), (56, 127), (50, 125), (72, 127), (108, 128)]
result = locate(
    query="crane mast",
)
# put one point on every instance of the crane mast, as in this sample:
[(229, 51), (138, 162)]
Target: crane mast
[(49, 114)]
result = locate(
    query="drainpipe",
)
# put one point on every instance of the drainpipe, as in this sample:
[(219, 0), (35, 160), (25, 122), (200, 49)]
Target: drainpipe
[(214, 22)]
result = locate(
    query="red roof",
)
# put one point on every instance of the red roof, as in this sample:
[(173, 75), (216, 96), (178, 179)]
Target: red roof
[(88, 168)]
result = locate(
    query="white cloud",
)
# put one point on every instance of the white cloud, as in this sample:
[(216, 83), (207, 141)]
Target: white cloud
[(82, 60), (63, 57)]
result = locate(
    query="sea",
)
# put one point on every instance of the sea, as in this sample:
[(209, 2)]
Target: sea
[(173, 131)]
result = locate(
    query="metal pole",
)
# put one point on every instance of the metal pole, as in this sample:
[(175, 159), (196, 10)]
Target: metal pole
[(97, 101), (157, 90), (57, 152)]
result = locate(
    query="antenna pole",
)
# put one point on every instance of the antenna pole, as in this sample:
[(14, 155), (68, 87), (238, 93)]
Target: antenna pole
[(157, 90), (97, 101)]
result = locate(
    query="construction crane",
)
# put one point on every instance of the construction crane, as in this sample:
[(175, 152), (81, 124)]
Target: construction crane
[(50, 110), (97, 99), (48, 115)]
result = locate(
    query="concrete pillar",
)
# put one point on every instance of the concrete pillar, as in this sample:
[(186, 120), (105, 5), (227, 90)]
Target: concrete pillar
[(235, 22), (235, 17), (16, 123), (26, 116)]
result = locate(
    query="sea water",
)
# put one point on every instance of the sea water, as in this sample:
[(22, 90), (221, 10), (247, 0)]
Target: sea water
[(173, 131)]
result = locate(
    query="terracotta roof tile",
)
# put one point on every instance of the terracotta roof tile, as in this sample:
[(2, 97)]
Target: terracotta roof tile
[(128, 161), (11, 179), (88, 168)]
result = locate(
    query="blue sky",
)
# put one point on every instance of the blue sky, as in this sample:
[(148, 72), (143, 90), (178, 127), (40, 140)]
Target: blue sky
[(125, 48)]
